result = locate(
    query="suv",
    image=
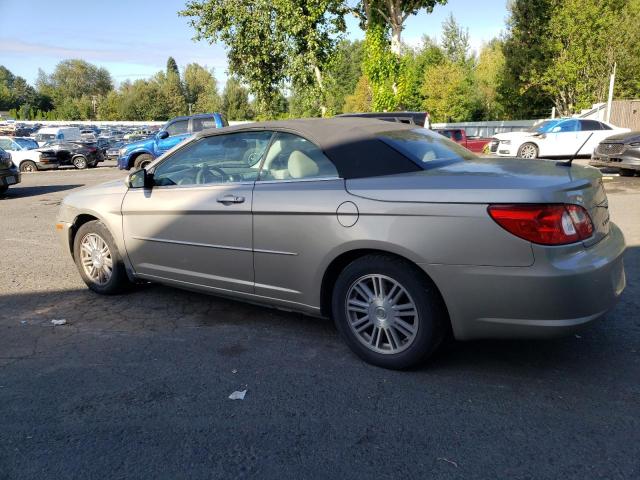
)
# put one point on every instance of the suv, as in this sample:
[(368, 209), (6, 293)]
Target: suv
[(141, 153), (25, 154)]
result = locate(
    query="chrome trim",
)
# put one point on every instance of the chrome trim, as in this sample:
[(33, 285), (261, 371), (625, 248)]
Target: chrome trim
[(210, 245), (296, 180), (235, 293)]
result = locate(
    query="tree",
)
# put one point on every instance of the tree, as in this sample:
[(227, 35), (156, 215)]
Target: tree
[(393, 13), (272, 41), (235, 101), (172, 67), (527, 55), (415, 63), (489, 75), (361, 99), (449, 93), (455, 41), (584, 42)]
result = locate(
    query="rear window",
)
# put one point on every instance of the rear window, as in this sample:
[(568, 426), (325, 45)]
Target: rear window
[(425, 148)]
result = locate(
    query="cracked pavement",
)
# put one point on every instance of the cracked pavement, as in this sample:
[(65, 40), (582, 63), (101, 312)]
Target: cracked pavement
[(137, 386)]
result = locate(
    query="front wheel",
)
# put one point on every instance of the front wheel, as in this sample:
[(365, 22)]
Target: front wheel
[(4, 189), (80, 162), (142, 161), (98, 260), (387, 312), (625, 172), (528, 150), (28, 166)]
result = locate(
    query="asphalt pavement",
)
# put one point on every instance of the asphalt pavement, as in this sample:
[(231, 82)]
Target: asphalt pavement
[(137, 386)]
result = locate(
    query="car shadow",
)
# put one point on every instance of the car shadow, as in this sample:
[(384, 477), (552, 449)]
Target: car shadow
[(22, 192)]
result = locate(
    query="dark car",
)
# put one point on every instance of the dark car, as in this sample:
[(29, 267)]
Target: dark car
[(112, 152), (80, 155), (410, 118), (9, 174), (620, 152)]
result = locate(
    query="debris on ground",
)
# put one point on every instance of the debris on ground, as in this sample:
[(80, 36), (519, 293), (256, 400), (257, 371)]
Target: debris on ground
[(238, 395), (57, 322), (234, 371), (455, 464)]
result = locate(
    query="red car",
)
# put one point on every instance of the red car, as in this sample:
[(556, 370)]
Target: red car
[(458, 135)]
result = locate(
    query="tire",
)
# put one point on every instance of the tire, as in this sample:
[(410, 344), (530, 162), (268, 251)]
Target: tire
[(28, 166), (528, 151), (142, 161), (80, 162), (117, 281), (625, 172), (4, 189), (401, 347)]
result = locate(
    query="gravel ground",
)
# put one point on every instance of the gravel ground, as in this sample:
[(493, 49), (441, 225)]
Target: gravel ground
[(137, 386)]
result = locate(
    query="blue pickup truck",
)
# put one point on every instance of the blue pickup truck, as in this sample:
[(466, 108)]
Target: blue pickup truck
[(141, 153)]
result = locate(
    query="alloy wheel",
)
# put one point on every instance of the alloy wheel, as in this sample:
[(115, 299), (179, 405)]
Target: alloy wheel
[(382, 314), (96, 258), (528, 151)]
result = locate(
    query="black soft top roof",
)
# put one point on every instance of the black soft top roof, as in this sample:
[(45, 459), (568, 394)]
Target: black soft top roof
[(353, 144)]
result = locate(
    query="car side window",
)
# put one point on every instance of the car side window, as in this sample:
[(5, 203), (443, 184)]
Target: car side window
[(215, 160), (589, 125), (292, 157), (568, 126), (178, 127), (604, 126), (201, 123)]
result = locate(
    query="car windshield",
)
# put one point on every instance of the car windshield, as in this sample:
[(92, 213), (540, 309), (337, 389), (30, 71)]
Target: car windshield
[(426, 148), (544, 127), (27, 143)]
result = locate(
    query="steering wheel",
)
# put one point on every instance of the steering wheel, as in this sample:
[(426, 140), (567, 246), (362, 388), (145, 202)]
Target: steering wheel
[(204, 174), (251, 157)]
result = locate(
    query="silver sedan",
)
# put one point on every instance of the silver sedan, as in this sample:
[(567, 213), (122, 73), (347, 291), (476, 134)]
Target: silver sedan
[(400, 235)]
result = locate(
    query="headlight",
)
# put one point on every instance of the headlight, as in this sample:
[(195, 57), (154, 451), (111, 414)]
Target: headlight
[(505, 142), (121, 151)]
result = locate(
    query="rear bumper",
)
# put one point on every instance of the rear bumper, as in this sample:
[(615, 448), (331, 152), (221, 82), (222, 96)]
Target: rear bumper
[(9, 177), (564, 290)]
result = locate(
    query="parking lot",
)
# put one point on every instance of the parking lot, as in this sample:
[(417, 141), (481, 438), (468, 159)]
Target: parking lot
[(137, 386)]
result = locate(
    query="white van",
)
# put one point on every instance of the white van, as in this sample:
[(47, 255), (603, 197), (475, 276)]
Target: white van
[(52, 134)]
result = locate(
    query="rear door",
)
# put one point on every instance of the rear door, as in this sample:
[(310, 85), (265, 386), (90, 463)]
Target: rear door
[(295, 214), (561, 141), (194, 227), (590, 135)]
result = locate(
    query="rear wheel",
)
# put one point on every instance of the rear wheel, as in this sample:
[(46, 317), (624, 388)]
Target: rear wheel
[(98, 260), (528, 150), (625, 172), (142, 161), (387, 313), (28, 166), (80, 162)]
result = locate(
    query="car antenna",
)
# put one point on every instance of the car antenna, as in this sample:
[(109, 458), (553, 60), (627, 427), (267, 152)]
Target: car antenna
[(567, 163)]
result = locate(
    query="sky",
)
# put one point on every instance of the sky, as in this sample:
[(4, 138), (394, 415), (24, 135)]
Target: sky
[(132, 39)]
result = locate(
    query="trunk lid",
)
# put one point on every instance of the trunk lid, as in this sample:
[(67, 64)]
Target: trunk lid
[(495, 180)]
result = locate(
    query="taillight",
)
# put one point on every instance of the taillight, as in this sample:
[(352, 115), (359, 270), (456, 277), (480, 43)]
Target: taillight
[(544, 224)]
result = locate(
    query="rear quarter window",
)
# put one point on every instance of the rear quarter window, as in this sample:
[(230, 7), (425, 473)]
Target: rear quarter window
[(425, 148)]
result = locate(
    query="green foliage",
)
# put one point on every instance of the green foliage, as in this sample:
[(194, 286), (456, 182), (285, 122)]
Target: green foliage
[(361, 99), (235, 101), (455, 41), (272, 42), (449, 93), (381, 67), (489, 76)]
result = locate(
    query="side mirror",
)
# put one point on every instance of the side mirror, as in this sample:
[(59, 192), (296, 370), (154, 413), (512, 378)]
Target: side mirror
[(162, 134), (139, 179)]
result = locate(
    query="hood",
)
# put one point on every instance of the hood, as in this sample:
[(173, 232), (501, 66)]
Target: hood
[(484, 180), (626, 138), (513, 135), (81, 197)]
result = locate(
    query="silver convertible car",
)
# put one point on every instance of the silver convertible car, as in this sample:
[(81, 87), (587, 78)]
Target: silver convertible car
[(399, 234)]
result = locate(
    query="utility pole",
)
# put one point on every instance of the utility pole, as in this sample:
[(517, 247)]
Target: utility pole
[(612, 83)]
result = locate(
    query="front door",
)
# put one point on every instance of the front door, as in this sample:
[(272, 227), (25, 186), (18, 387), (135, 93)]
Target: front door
[(178, 131), (194, 227)]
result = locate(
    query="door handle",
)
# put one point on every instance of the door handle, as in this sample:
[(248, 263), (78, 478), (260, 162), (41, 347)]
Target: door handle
[(229, 199)]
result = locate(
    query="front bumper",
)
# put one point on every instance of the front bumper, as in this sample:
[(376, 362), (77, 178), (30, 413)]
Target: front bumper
[(565, 289), (628, 159)]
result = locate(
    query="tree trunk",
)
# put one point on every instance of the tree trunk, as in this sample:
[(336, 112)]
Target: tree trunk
[(396, 37), (318, 73)]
